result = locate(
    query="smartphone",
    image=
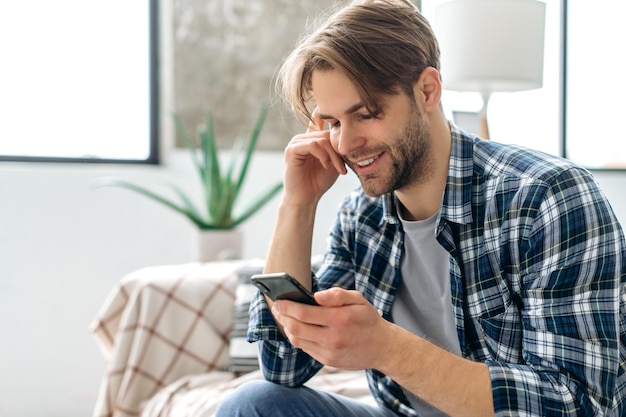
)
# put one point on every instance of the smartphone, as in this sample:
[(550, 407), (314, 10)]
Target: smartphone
[(282, 286)]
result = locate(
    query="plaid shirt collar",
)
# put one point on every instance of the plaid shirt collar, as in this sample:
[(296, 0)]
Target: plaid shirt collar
[(457, 204)]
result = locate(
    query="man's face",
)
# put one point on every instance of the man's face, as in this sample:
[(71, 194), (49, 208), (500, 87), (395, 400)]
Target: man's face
[(389, 150)]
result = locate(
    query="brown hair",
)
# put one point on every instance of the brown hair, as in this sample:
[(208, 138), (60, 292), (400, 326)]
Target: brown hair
[(381, 45)]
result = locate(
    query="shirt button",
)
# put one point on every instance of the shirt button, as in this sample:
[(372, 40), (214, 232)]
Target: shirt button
[(392, 262), (380, 312)]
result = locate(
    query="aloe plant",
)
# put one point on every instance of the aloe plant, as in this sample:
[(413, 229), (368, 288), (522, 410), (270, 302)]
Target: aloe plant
[(221, 189)]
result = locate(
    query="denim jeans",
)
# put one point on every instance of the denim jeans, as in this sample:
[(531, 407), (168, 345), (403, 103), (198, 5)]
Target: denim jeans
[(266, 399)]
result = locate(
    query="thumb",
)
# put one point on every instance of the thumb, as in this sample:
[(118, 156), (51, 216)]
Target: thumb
[(336, 297)]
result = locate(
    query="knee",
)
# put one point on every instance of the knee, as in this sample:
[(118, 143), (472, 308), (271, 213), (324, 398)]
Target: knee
[(254, 398)]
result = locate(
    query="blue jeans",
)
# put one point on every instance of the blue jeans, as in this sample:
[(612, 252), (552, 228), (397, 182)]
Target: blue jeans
[(266, 399)]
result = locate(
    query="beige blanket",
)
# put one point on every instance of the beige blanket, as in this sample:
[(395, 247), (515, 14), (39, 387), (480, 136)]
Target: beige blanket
[(165, 333)]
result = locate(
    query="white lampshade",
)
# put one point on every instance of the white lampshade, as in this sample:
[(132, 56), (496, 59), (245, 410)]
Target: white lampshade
[(491, 45)]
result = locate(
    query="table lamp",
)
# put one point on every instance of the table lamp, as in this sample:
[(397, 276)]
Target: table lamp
[(489, 46)]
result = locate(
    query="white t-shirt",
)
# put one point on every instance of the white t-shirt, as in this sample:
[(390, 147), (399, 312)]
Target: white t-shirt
[(423, 303)]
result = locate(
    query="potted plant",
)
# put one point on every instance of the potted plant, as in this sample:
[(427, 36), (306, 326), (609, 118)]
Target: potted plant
[(221, 209)]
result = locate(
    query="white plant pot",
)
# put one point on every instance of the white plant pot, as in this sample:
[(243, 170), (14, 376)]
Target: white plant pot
[(220, 245)]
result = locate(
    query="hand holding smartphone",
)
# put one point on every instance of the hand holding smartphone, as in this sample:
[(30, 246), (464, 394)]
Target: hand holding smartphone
[(282, 286)]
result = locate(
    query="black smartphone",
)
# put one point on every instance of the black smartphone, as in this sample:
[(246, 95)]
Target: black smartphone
[(282, 286)]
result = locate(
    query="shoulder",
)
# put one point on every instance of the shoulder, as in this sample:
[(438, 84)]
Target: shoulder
[(546, 188), (488, 159), (493, 159), (510, 179), (510, 167)]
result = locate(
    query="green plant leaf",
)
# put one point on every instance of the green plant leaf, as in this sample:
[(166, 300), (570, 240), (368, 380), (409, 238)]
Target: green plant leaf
[(225, 207), (220, 192), (255, 204), (251, 146), (188, 204), (235, 156), (151, 195), (212, 175)]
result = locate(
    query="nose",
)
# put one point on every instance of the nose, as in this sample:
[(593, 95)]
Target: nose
[(348, 138)]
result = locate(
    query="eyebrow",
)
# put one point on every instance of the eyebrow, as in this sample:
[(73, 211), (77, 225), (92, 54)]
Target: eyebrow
[(350, 110)]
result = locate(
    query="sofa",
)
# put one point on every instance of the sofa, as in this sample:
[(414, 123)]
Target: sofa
[(174, 340)]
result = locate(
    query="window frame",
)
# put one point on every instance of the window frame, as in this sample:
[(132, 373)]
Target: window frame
[(565, 26), (153, 157)]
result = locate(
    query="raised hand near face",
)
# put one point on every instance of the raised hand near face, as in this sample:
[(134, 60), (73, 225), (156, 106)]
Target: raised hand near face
[(311, 164)]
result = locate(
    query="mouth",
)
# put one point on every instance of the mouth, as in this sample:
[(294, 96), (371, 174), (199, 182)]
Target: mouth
[(367, 162)]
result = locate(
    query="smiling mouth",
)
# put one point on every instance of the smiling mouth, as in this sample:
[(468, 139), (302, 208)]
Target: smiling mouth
[(368, 161)]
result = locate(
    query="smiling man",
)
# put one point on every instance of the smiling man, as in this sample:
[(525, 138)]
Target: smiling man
[(466, 277)]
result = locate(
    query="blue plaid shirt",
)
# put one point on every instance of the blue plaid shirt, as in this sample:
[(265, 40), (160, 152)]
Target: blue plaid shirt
[(538, 277)]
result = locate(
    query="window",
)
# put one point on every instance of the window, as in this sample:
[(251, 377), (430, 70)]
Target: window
[(595, 84), (78, 81)]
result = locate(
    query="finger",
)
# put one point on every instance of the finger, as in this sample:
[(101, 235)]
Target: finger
[(336, 297), (338, 163), (302, 328), (316, 124), (291, 311), (318, 147), (333, 157), (318, 144), (305, 336)]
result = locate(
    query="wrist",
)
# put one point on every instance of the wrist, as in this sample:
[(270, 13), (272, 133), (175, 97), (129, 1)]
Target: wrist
[(395, 342), (302, 211)]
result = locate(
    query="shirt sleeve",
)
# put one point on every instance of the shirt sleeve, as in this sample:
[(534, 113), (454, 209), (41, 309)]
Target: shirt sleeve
[(280, 361), (572, 268)]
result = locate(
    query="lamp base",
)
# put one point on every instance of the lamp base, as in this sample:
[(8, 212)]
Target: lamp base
[(484, 127)]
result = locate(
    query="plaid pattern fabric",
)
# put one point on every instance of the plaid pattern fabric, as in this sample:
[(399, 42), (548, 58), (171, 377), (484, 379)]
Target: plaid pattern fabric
[(160, 324), (538, 277), (165, 331)]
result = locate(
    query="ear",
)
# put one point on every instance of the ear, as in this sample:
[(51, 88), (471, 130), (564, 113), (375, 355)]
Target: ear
[(427, 89)]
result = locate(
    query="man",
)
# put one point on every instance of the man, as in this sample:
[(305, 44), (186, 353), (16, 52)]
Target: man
[(467, 277)]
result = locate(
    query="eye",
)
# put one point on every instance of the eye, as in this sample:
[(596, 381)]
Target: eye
[(334, 124), (369, 116)]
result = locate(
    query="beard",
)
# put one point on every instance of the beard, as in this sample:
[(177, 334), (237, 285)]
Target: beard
[(410, 159)]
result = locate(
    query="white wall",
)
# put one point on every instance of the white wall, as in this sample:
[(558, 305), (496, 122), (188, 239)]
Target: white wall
[(63, 246)]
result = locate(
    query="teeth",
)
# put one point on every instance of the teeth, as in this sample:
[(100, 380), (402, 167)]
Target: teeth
[(366, 162)]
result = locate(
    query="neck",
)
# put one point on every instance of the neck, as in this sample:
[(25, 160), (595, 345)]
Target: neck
[(422, 200)]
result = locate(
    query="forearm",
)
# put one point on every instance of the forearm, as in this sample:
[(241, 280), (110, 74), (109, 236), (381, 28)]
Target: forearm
[(457, 386), (290, 247), (461, 387), (289, 251)]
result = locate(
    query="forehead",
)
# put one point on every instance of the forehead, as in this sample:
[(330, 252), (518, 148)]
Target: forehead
[(333, 91)]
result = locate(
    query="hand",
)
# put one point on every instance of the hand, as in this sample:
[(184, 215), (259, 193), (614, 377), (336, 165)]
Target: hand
[(345, 331), (311, 164)]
